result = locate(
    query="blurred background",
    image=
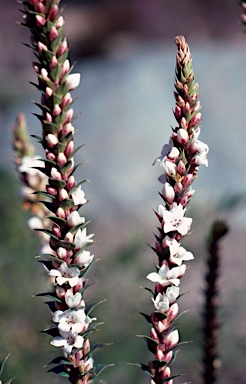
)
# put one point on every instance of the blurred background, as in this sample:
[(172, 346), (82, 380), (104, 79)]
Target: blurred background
[(125, 52)]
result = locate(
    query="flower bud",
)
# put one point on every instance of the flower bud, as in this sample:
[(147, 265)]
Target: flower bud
[(172, 339), (48, 93), (195, 120), (63, 47), (178, 112), (59, 22), (74, 219), (182, 136), (181, 169), (70, 183), (187, 180), (183, 123), (60, 213), (173, 312), (57, 110), (51, 140), (69, 148), (40, 21), (62, 253), (69, 115), (73, 81), (63, 195), (55, 174), (51, 191), (61, 159), (56, 230), (168, 192), (68, 237), (53, 34), (53, 62), (48, 116)]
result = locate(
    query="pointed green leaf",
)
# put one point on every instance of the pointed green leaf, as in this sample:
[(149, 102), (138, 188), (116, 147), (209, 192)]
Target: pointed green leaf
[(50, 233), (57, 220), (2, 363)]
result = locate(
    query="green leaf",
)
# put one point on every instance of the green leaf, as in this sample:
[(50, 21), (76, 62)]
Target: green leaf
[(66, 244), (48, 232), (147, 317), (144, 367), (100, 367), (57, 183), (2, 363), (91, 306), (75, 151), (160, 315), (50, 295), (57, 220), (77, 166), (60, 360), (151, 343), (66, 204), (59, 370), (65, 168)]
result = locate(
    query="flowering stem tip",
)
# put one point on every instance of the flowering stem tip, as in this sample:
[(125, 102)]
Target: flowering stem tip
[(66, 257), (179, 160)]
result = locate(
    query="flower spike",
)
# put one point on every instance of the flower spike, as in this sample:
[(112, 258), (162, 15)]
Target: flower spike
[(179, 160), (65, 257)]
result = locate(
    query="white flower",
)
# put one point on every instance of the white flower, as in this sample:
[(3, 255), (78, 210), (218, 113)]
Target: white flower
[(78, 196), (34, 176), (67, 341), (165, 276), (178, 253), (74, 301), (73, 81), (66, 274), (161, 303), (72, 320), (168, 150), (81, 239), (172, 293), (83, 258), (174, 219), (75, 219), (35, 222)]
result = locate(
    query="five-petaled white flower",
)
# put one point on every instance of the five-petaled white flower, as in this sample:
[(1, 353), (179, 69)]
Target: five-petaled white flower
[(78, 196), (81, 239), (166, 276), (161, 303), (72, 320), (84, 258), (177, 253), (66, 275), (68, 340), (174, 219)]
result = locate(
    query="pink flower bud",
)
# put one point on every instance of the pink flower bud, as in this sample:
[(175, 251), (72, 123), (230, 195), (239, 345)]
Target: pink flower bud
[(186, 107), (173, 312), (69, 237), (178, 187), (48, 117), (69, 148), (65, 67), (168, 192), (63, 195), (60, 292), (40, 8), (69, 115), (153, 334), (195, 120), (55, 174), (35, 67), (57, 110), (180, 101), (42, 47), (182, 136), (40, 21), (166, 373), (61, 159), (70, 183), (51, 191), (78, 287), (53, 34), (50, 155), (53, 12), (44, 74), (183, 123), (170, 168), (53, 62), (68, 128), (67, 99), (73, 81), (187, 180), (159, 355), (172, 339), (63, 47), (62, 253), (51, 140), (59, 22), (56, 230), (48, 93), (60, 213), (181, 167), (177, 112)]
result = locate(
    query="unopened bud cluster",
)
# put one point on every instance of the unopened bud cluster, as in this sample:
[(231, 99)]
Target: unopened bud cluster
[(68, 259), (180, 159)]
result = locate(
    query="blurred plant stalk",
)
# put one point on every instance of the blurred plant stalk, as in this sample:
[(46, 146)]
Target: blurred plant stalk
[(211, 361), (180, 160)]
